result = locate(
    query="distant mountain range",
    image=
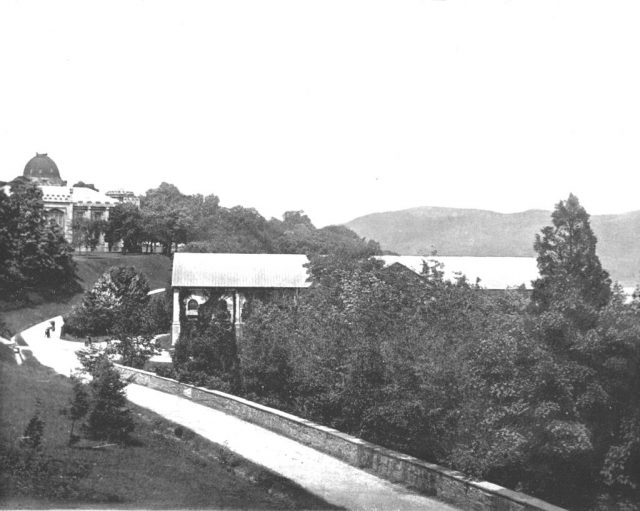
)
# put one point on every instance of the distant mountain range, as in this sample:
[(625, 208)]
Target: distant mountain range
[(475, 232)]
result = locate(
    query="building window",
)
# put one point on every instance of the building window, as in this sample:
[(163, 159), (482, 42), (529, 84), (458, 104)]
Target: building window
[(192, 308), (57, 216)]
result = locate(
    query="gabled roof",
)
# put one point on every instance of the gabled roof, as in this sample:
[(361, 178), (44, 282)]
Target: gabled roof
[(239, 270), (493, 272)]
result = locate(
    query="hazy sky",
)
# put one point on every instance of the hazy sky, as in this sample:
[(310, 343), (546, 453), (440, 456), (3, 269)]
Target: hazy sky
[(340, 108)]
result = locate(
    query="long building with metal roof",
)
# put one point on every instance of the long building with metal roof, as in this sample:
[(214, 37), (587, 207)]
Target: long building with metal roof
[(233, 275), (239, 270), (236, 275)]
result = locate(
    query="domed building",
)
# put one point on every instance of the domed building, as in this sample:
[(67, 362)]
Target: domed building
[(69, 206), (43, 170)]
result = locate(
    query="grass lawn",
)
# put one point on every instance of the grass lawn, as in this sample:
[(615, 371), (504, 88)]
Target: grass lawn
[(166, 467), (156, 268)]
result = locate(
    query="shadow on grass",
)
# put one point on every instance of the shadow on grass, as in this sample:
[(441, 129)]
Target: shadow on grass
[(290, 493), (163, 466)]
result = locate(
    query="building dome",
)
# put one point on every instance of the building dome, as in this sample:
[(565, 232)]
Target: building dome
[(43, 169)]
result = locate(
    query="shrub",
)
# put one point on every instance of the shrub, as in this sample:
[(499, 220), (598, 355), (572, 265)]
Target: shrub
[(115, 304), (31, 441), (157, 314), (134, 351)]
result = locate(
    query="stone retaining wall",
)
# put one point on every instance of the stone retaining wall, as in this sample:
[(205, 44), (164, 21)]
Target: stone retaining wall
[(427, 478)]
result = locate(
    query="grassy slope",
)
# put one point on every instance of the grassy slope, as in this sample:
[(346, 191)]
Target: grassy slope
[(164, 471), (156, 268)]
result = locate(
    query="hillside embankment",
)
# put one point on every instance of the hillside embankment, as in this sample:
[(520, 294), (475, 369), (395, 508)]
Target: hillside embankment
[(163, 466), (18, 316)]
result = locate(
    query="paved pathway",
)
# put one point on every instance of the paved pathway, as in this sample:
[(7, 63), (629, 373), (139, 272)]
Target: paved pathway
[(333, 480)]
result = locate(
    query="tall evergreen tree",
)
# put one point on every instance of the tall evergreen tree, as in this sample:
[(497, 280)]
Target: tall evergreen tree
[(567, 260), (109, 417)]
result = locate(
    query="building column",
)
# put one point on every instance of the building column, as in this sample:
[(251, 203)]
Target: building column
[(175, 324), (237, 314)]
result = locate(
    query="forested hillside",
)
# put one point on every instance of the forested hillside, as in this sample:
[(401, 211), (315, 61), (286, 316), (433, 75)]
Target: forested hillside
[(474, 232)]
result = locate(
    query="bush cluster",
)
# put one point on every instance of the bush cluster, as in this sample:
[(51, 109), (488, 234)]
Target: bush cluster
[(451, 374), (537, 393)]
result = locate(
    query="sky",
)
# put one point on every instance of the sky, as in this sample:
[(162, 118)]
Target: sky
[(338, 108)]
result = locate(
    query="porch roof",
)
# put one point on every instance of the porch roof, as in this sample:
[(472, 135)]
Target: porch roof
[(239, 270)]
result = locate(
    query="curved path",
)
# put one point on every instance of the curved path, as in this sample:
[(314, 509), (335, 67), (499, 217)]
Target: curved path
[(335, 481)]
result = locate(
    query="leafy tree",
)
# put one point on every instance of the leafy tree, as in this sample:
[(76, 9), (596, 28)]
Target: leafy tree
[(90, 358), (265, 353), (87, 232), (168, 217), (452, 374), (125, 224), (206, 214), (114, 305), (157, 315), (134, 351), (567, 259), (292, 219), (206, 352), (296, 234), (33, 251), (171, 218)]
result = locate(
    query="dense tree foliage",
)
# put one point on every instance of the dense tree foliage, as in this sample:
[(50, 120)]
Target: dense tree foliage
[(452, 374), (33, 251), (536, 393), (87, 232), (206, 354), (167, 216), (115, 305), (125, 224), (170, 218)]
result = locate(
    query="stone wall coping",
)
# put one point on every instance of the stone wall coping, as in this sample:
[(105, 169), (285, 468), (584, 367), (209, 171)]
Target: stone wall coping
[(529, 502)]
